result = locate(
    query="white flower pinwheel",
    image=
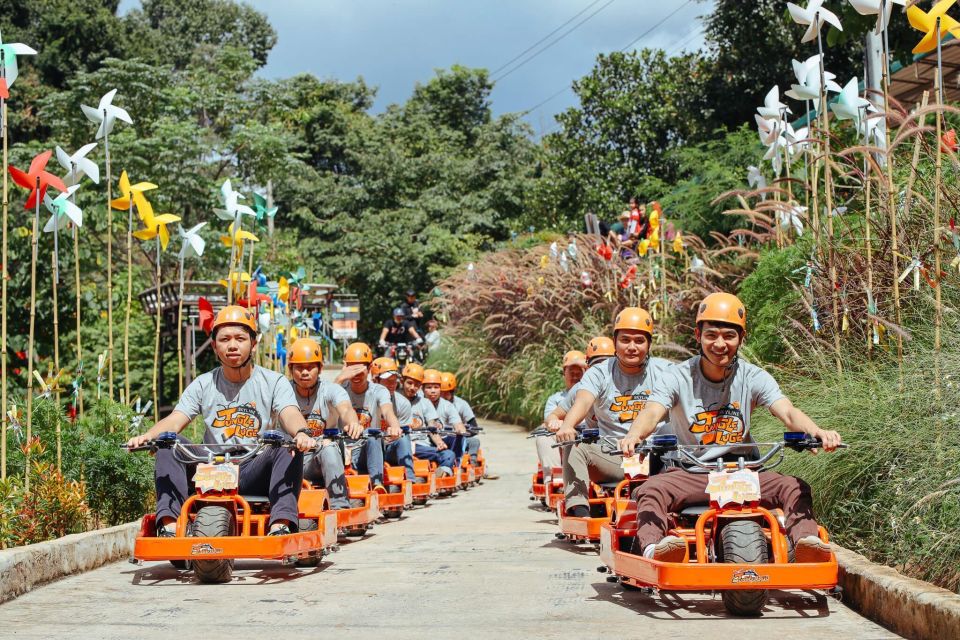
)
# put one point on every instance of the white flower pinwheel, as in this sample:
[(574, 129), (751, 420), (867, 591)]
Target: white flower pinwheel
[(79, 165), (193, 242), (814, 16), (879, 8), (106, 114), (62, 211), (772, 107), (849, 104), (808, 80)]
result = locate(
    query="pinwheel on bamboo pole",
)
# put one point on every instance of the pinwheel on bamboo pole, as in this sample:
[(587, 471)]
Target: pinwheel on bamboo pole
[(77, 166), (105, 115), (234, 238), (192, 245), (155, 228), (233, 210), (131, 195), (37, 179), (9, 71)]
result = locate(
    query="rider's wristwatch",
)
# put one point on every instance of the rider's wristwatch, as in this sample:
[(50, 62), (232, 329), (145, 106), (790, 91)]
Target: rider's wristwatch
[(306, 430)]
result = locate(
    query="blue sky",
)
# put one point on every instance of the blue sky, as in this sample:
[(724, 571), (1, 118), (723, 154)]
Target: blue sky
[(393, 44)]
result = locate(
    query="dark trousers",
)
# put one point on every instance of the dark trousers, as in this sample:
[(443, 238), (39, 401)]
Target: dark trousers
[(675, 489), (276, 473)]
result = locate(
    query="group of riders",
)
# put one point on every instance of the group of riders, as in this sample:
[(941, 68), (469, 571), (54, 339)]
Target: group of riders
[(706, 402), (416, 411)]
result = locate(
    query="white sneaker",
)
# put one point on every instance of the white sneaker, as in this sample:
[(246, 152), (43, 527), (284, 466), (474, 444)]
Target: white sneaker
[(444, 472), (811, 549), (670, 549)]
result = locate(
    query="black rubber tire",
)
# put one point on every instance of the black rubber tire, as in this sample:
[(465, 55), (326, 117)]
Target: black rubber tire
[(308, 524), (743, 542), (214, 521), (182, 565)]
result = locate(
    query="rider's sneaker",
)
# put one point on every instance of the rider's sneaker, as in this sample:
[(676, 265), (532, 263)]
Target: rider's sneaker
[(444, 472), (579, 511), (811, 549), (419, 480), (282, 530), (167, 531), (670, 549), (394, 488), (357, 502)]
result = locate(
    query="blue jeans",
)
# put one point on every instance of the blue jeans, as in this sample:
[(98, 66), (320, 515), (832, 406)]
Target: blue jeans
[(400, 453), (368, 459), (455, 444), (473, 448), (445, 458)]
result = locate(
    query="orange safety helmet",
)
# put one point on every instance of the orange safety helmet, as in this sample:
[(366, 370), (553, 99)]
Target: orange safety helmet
[(600, 346), (235, 315), (633, 318), (381, 366), (413, 370), (574, 359), (448, 381), (304, 351), (432, 376), (358, 353), (722, 307)]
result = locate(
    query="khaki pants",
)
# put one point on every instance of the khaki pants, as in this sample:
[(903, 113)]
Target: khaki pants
[(671, 491), (549, 457), (586, 462)]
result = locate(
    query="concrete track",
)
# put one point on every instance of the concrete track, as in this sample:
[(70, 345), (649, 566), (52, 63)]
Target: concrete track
[(482, 564)]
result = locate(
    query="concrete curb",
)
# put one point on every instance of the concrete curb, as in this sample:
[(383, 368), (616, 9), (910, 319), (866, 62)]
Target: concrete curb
[(912, 608), (23, 568)]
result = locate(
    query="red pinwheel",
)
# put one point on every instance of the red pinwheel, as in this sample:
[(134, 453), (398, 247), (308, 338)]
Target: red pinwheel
[(254, 297), (628, 277), (948, 141), (605, 251), (37, 179), (206, 315)]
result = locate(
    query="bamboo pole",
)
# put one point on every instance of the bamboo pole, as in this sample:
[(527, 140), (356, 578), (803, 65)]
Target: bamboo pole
[(56, 357), (891, 207), (126, 320), (156, 343), (76, 270), (938, 303), (106, 147), (3, 292), (30, 342), (180, 332)]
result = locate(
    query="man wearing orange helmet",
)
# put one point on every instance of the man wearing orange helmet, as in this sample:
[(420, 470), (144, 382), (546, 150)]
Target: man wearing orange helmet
[(599, 349), (384, 372), (709, 400), (372, 403), (446, 412), (428, 447), (616, 390), (573, 365), (322, 404), (448, 391), (237, 400)]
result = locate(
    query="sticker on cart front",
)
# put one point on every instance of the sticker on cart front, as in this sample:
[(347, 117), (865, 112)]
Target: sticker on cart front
[(216, 477), (734, 487)]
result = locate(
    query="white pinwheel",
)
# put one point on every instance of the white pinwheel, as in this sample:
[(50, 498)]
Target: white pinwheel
[(879, 8), (232, 208), (768, 128), (755, 178), (79, 165), (873, 127), (106, 114), (791, 217), (62, 211), (808, 80), (798, 140), (849, 104), (193, 242), (772, 107), (814, 16), (9, 53)]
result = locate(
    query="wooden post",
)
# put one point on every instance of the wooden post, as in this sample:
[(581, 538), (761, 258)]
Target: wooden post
[(3, 277), (126, 319)]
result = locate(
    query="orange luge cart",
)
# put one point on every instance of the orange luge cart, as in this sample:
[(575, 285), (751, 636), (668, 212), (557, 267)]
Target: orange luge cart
[(734, 546)]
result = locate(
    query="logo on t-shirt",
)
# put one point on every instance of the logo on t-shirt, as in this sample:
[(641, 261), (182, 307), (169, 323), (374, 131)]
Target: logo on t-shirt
[(629, 406), (416, 421), (315, 424), (720, 426), (239, 422), (364, 417)]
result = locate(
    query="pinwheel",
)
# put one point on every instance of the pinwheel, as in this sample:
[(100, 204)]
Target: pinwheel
[(234, 238), (105, 115), (768, 128), (572, 249), (79, 165), (139, 413), (814, 16), (927, 23), (37, 180), (880, 8), (8, 61), (76, 390), (678, 243), (585, 279), (281, 349), (233, 211), (264, 212), (101, 363), (791, 218), (205, 315), (155, 228), (757, 180), (295, 281), (849, 103), (191, 244), (772, 107), (63, 210), (235, 280), (808, 85)]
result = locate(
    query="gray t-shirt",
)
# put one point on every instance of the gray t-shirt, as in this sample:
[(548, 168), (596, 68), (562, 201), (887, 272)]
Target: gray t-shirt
[(401, 407), (318, 408), (424, 413), (463, 408), (447, 413), (619, 397), (235, 413), (552, 403), (566, 403), (367, 404), (703, 412)]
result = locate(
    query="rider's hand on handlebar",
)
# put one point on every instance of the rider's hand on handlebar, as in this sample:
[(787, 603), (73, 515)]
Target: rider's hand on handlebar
[(394, 432), (353, 430), (629, 444), (304, 442), (460, 430), (138, 441), (554, 424), (831, 440), (566, 434)]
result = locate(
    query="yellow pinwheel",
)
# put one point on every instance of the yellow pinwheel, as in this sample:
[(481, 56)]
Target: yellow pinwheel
[(642, 247), (237, 238), (927, 22), (283, 290), (129, 191), (654, 237), (236, 279), (156, 226), (678, 243)]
